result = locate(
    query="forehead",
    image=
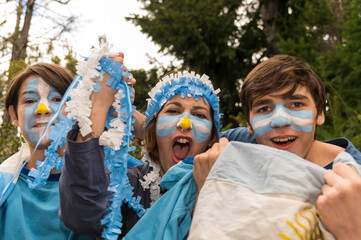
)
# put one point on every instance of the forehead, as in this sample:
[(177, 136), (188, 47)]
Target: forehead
[(188, 102), (285, 94), (34, 84)]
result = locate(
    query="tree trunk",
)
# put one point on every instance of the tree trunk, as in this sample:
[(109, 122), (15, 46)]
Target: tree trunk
[(19, 44), (269, 14)]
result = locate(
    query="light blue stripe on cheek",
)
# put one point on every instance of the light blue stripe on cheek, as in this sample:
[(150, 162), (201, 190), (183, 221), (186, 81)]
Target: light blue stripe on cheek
[(262, 130), (198, 135), (259, 132), (30, 110), (166, 119), (166, 132), (53, 105)]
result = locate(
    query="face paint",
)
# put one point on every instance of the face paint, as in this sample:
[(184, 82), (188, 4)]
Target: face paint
[(281, 116), (44, 100), (201, 128)]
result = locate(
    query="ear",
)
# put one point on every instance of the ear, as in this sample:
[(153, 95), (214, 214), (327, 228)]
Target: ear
[(320, 119), (250, 129), (13, 116)]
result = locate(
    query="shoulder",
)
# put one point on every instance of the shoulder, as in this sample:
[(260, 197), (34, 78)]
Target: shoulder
[(323, 153), (348, 147), (239, 134)]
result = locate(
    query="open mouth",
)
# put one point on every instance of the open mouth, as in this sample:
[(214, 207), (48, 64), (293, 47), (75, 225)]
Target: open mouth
[(181, 148), (283, 141)]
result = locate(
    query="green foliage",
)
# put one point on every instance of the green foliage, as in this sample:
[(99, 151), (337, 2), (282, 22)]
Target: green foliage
[(208, 36), (327, 36), (146, 80), (10, 141), (226, 38)]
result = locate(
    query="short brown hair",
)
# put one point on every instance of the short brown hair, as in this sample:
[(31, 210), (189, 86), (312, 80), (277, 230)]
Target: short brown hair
[(277, 73), (54, 75), (150, 139)]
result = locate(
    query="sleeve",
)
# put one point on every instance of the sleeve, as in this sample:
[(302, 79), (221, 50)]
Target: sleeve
[(83, 186), (239, 134)]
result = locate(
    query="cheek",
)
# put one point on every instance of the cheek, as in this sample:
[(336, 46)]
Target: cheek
[(29, 116), (166, 125), (54, 107), (202, 131)]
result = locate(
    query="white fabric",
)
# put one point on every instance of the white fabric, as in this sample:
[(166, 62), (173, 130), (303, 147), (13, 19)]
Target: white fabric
[(257, 192), (10, 171)]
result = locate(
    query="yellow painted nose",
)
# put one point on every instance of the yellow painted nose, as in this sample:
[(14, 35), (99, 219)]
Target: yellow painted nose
[(42, 109), (185, 123)]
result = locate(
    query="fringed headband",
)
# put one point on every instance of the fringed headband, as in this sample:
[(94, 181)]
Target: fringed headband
[(186, 84)]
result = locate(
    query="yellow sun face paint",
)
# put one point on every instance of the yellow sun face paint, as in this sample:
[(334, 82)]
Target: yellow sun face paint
[(42, 109), (185, 123)]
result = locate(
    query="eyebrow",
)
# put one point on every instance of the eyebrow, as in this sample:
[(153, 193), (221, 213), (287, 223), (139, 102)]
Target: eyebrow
[(178, 104), (297, 97), (29, 92), (262, 102)]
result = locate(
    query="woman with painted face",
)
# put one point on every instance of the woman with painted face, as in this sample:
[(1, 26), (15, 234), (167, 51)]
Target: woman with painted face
[(182, 119), (32, 98)]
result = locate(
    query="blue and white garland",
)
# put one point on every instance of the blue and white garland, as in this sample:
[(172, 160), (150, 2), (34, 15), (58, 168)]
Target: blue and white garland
[(52, 158), (117, 139)]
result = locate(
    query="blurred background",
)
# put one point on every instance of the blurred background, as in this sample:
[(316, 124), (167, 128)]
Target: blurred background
[(223, 38)]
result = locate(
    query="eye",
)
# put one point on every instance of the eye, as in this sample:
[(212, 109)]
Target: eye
[(263, 109), (172, 111), (56, 99), (297, 104), (200, 115), (29, 101)]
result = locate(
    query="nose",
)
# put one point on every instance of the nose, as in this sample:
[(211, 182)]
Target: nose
[(280, 121), (42, 109), (185, 124)]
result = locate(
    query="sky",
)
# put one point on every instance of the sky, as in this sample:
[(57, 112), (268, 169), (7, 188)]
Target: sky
[(106, 17), (97, 18)]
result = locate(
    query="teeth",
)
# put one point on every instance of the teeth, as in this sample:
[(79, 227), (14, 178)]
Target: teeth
[(283, 139), (183, 140)]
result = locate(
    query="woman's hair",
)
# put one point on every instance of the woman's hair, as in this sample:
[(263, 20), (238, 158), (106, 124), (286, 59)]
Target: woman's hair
[(54, 75), (277, 73)]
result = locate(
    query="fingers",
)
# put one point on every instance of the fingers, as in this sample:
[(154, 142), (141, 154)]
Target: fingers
[(345, 171), (332, 178), (119, 57), (339, 173), (223, 143)]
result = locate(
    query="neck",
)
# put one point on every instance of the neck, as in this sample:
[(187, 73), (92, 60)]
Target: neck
[(39, 155), (322, 153)]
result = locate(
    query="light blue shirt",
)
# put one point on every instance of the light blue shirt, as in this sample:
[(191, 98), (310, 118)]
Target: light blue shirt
[(33, 213)]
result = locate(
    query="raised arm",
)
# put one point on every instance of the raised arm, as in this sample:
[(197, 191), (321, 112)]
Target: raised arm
[(84, 182)]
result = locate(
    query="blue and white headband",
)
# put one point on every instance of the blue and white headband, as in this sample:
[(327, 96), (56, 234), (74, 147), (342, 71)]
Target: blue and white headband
[(186, 84)]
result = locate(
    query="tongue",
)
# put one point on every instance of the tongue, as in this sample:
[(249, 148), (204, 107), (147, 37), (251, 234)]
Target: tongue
[(181, 151)]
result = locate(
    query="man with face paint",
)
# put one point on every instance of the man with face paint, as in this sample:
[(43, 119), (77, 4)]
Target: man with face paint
[(283, 101), (33, 96)]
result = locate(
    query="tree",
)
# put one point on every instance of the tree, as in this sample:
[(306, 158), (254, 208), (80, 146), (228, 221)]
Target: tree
[(23, 48), (227, 38), (212, 37), (16, 43)]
